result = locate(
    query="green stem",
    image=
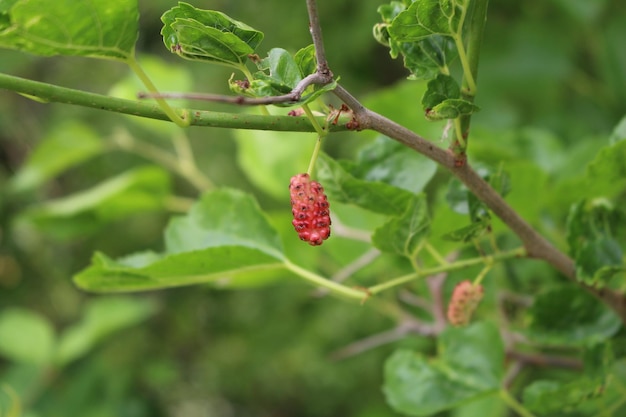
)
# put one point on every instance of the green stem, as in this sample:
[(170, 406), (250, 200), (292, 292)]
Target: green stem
[(173, 116), (515, 253), (321, 133), (52, 93), (334, 287), (514, 404), (469, 60)]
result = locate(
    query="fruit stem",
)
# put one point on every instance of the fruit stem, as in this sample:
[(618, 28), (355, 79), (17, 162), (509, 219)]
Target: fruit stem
[(321, 133)]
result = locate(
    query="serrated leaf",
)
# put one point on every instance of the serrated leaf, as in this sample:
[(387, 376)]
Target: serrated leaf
[(208, 35), (569, 316), (470, 365), (102, 317), (136, 191), (592, 229), (342, 186), (98, 28), (64, 146), (224, 240), (26, 336), (404, 235), (391, 162), (426, 18)]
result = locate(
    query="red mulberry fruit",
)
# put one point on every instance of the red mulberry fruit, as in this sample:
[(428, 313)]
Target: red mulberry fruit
[(309, 206), (465, 299)]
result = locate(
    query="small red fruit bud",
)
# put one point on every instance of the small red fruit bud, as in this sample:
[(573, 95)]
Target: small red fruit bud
[(464, 300), (309, 206)]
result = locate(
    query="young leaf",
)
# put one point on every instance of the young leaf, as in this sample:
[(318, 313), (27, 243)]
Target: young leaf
[(63, 147), (568, 316), (98, 28), (424, 19), (470, 365), (592, 231), (26, 336), (342, 186), (136, 191), (224, 239), (606, 174), (207, 35), (405, 234), (279, 74)]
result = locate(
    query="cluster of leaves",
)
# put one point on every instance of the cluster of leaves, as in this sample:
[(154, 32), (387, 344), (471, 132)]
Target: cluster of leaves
[(429, 35)]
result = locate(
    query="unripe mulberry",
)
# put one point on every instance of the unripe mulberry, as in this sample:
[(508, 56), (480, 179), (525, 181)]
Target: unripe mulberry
[(309, 206), (464, 300)]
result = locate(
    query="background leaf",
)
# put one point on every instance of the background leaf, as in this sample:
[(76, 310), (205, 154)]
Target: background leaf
[(64, 146), (26, 337), (97, 28), (470, 364), (405, 234), (102, 317), (568, 316), (270, 159), (139, 190), (378, 197)]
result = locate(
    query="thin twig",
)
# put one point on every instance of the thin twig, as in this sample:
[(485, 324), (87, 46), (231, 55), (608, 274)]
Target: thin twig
[(293, 97), (316, 34), (350, 269)]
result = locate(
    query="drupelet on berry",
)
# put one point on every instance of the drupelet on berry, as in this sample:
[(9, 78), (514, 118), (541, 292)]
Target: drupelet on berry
[(310, 209)]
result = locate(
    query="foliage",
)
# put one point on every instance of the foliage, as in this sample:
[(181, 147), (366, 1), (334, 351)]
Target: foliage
[(97, 203)]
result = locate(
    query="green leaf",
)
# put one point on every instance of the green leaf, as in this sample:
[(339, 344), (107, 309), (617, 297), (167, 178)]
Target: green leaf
[(569, 316), (606, 174), (391, 162), (424, 19), (26, 336), (551, 397), (136, 191), (103, 317), (451, 109), (342, 186), (224, 239), (442, 99), (97, 28), (64, 146), (405, 234), (207, 35), (279, 74), (592, 230), (424, 58), (468, 233), (470, 365), (270, 159)]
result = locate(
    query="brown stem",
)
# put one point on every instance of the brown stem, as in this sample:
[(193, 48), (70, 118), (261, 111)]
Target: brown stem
[(316, 34), (536, 245)]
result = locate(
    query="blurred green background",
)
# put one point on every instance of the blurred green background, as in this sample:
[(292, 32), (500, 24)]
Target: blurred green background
[(551, 71)]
